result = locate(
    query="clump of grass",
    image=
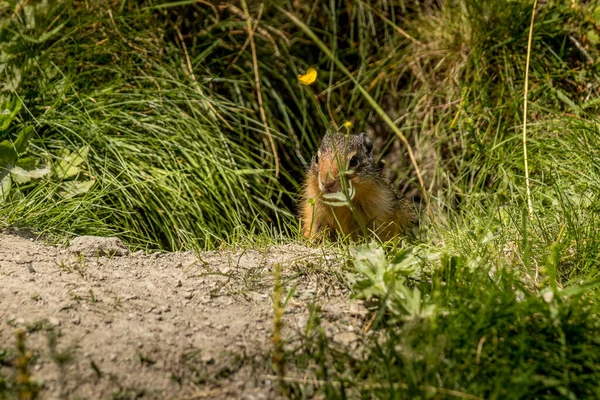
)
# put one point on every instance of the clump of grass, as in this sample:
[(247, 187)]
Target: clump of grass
[(163, 162), (460, 313), (459, 327), (166, 98), (162, 177)]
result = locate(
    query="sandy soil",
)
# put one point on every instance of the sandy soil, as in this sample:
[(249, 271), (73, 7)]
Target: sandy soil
[(174, 325)]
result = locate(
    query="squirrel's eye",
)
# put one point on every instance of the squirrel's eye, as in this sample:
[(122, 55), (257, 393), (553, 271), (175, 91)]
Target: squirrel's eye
[(353, 162)]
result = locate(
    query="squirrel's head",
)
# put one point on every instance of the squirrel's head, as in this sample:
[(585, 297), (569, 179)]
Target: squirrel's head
[(347, 156)]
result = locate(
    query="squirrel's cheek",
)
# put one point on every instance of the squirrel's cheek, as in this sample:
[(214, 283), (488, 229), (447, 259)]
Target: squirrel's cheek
[(357, 182)]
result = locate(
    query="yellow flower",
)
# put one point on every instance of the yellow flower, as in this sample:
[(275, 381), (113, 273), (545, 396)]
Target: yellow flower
[(348, 124), (309, 77)]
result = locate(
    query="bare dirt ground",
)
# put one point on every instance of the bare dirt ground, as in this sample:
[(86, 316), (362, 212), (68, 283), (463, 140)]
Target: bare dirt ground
[(171, 325)]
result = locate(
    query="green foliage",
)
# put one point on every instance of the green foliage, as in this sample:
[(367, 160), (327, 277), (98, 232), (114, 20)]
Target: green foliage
[(484, 335), (140, 84), (13, 166), (137, 145), (8, 111), (145, 117), (378, 278)]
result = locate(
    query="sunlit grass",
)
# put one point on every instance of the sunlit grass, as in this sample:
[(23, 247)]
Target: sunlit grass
[(166, 100)]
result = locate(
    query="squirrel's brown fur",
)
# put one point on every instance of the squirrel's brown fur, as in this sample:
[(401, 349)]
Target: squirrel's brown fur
[(376, 205)]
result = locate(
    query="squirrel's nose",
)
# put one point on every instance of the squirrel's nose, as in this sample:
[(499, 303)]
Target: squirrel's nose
[(330, 186)]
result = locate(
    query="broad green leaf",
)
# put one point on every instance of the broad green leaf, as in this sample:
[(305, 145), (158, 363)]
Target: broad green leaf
[(23, 139), (8, 155), (596, 14), (5, 185), (8, 111), (27, 163), (12, 75), (68, 166), (593, 37), (385, 280), (10, 151), (75, 188), (339, 199), (21, 175)]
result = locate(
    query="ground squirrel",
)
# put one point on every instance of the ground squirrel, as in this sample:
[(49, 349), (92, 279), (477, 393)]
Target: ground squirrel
[(345, 163)]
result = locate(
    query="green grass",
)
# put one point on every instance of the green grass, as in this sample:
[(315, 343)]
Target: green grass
[(172, 163), (179, 160), (484, 336)]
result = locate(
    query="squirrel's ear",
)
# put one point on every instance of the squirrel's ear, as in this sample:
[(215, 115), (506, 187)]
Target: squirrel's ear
[(367, 142)]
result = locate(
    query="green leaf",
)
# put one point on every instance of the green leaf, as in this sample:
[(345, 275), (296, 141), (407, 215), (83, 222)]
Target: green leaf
[(385, 280), (339, 199), (10, 151), (593, 37), (23, 139), (27, 163), (68, 166), (8, 111), (8, 155), (21, 175), (5, 184), (75, 188)]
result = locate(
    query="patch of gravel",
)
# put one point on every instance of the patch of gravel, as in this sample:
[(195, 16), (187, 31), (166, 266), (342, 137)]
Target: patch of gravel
[(174, 325), (98, 246)]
